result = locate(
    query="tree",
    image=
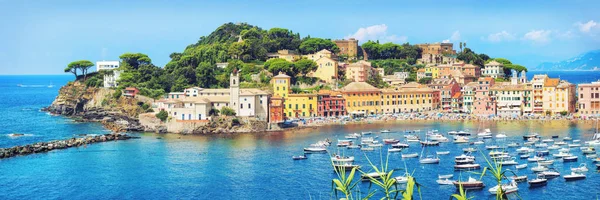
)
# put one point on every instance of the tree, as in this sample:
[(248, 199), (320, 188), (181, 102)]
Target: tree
[(237, 49), (162, 115), (277, 65), (304, 66), (134, 60), (213, 112), (312, 45), (71, 69), (117, 94), (426, 80), (227, 111), (377, 81), (205, 75), (82, 65)]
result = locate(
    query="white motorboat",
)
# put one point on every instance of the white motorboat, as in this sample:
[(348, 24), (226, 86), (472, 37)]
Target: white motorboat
[(524, 150), (464, 157), (452, 133), (442, 152), (509, 162), (471, 184), (546, 162), (574, 145), (429, 160), (560, 143), (582, 168), (524, 156), (541, 145), (588, 150), (550, 173), (490, 147), (344, 143), (430, 143), (497, 153), (591, 156), (540, 180), (513, 144), (519, 179), (506, 188), (500, 135), (367, 133), (561, 155), (521, 166), (438, 137), (567, 138), (385, 131), (315, 150), (574, 176), (467, 166), (368, 176), (345, 166), (353, 136), (445, 179), (547, 140), (463, 133), (401, 179), (484, 134), (461, 139), (410, 155), (353, 147), (570, 159), (338, 158), (478, 142), (553, 147), (445, 176), (367, 149), (390, 141), (539, 168), (564, 150), (533, 135), (535, 159), (469, 150), (392, 150), (400, 145)]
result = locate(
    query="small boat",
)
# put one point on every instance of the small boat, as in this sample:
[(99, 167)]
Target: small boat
[(540, 180), (444, 179), (564, 150), (452, 133), (570, 159), (367, 149), (467, 166), (562, 154), (391, 150), (553, 147), (367, 133), (588, 150), (445, 176), (524, 150), (344, 143), (591, 155), (442, 152), (390, 141), (543, 153), (519, 179), (513, 144), (385, 131), (506, 188), (470, 184), (461, 139), (550, 173), (345, 166), (478, 142), (555, 136), (521, 166), (353, 147), (301, 157), (375, 145), (469, 150), (338, 158), (368, 176), (410, 155), (539, 168), (315, 150), (500, 136), (438, 138), (574, 176), (525, 156), (545, 162), (548, 140), (400, 145), (352, 136), (541, 145), (430, 143), (509, 162), (560, 143), (401, 179), (536, 159), (582, 168), (567, 138), (492, 147), (429, 160), (574, 145), (529, 136), (576, 141)]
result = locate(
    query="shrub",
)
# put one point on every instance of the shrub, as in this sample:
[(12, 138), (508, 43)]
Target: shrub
[(117, 94), (227, 111), (145, 106), (564, 113), (235, 121), (162, 115)]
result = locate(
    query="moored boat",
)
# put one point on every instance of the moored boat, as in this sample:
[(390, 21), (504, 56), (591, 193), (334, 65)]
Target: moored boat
[(410, 155), (315, 150), (582, 168), (470, 184), (506, 188), (467, 166), (521, 166), (570, 159), (300, 157), (442, 152), (574, 176), (519, 179), (540, 180)]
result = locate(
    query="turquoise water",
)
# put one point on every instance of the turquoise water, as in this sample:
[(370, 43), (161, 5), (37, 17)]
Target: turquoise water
[(244, 166)]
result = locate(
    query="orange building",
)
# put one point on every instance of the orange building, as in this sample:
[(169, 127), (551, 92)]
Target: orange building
[(361, 98), (276, 106)]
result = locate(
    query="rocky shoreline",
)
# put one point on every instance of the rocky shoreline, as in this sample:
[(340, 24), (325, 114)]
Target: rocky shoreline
[(42, 147)]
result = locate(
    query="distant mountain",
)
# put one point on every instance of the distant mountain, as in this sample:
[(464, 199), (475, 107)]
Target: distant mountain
[(586, 61)]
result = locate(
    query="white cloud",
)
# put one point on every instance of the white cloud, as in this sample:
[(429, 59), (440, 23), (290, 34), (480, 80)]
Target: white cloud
[(500, 36), (453, 38), (587, 27), (376, 32), (538, 36)]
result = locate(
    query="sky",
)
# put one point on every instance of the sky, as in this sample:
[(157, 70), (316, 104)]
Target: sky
[(42, 37)]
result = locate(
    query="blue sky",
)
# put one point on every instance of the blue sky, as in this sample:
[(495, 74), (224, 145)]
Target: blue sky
[(41, 37)]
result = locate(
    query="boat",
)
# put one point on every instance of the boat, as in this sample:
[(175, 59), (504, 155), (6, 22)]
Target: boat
[(463, 133), (401, 179), (376, 144), (400, 145), (429, 160), (368, 176), (509, 162), (461, 139), (411, 137), (560, 143), (561, 155), (391, 150), (519, 179), (444, 179), (553, 147), (445, 176), (469, 150), (470, 184), (345, 166), (547, 140), (410, 155), (574, 145), (524, 150), (527, 137), (367, 149), (452, 133), (506, 188), (521, 166), (338, 158), (438, 138), (570, 159), (524, 156), (467, 166), (367, 133), (442, 152), (500, 135), (546, 162), (353, 147), (301, 157), (567, 138), (550, 173), (543, 153), (390, 141), (582, 168), (478, 142), (591, 155), (539, 168), (541, 145), (385, 131), (429, 143), (344, 143), (564, 150), (513, 144), (315, 150), (490, 147), (535, 159), (540, 180), (555, 136), (574, 176), (588, 150), (352, 136)]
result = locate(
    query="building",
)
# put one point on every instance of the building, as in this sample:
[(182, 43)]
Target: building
[(110, 78), (437, 48), (276, 108), (457, 102), (493, 69), (130, 92), (421, 74), (411, 97), (222, 65), (327, 69), (361, 98), (447, 88), (288, 55), (484, 104), (436, 59), (195, 103), (324, 53), (296, 105), (552, 95), (348, 47), (511, 99), (331, 104), (468, 94), (589, 98), (359, 71), (432, 71)]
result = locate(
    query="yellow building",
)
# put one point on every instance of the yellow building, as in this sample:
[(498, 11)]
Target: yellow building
[(432, 71), (411, 97), (362, 98), (327, 69), (288, 55), (296, 105)]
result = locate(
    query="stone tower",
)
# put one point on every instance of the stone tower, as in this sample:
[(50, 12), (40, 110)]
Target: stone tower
[(523, 77), (234, 91), (514, 79)]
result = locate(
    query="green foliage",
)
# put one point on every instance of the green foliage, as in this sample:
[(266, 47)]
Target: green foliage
[(134, 60), (377, 81), (95, 81), (471, 57), (277, 65), (227, 111), (426, 80), (304, 66), (312, 45), (213, 112), (235, 121), (117, 94), (162, 115), (82, 65), (205, 75), (374, 50), (564, 113), (306, 80), (145, 106)]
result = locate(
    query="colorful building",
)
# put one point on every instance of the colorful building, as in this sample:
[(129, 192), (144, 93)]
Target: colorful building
[(288, 55), (327, 69), (511, 99), (348, 47), (468, 94), (552, 95), (589, 98), (457, 102), (447, 88), (411, 97), (484, 104), (493, 69), (331, 104), (432, 71), (296, 105), (276, 108), (421, 74), (361, 98), (437, 48)]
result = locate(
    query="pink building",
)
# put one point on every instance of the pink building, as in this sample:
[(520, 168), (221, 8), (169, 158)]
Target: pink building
[(589, 98), (447, 88), (484, 102)]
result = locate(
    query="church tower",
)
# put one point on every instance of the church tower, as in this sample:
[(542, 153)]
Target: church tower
[(234, 91)]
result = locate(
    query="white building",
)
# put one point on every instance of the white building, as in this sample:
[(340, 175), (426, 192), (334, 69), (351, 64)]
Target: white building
[(493, 69), (110, 79), (195, 103)]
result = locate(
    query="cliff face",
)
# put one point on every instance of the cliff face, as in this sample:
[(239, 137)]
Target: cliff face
[(97, 105)]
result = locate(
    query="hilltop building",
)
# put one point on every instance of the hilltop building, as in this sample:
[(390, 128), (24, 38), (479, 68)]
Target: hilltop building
[(288, 55), (111, 78), (437, 48), (494, 69), (348, 47)]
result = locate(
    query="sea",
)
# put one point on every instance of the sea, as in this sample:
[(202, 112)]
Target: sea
[(244, 166)]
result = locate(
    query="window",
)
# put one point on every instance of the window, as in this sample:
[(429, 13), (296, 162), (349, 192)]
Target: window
[(241, 105)]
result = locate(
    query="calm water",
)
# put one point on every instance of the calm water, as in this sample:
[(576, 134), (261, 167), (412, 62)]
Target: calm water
[(245, 166)]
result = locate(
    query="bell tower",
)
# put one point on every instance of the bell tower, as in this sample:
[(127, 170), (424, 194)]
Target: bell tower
[(234, 91)]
